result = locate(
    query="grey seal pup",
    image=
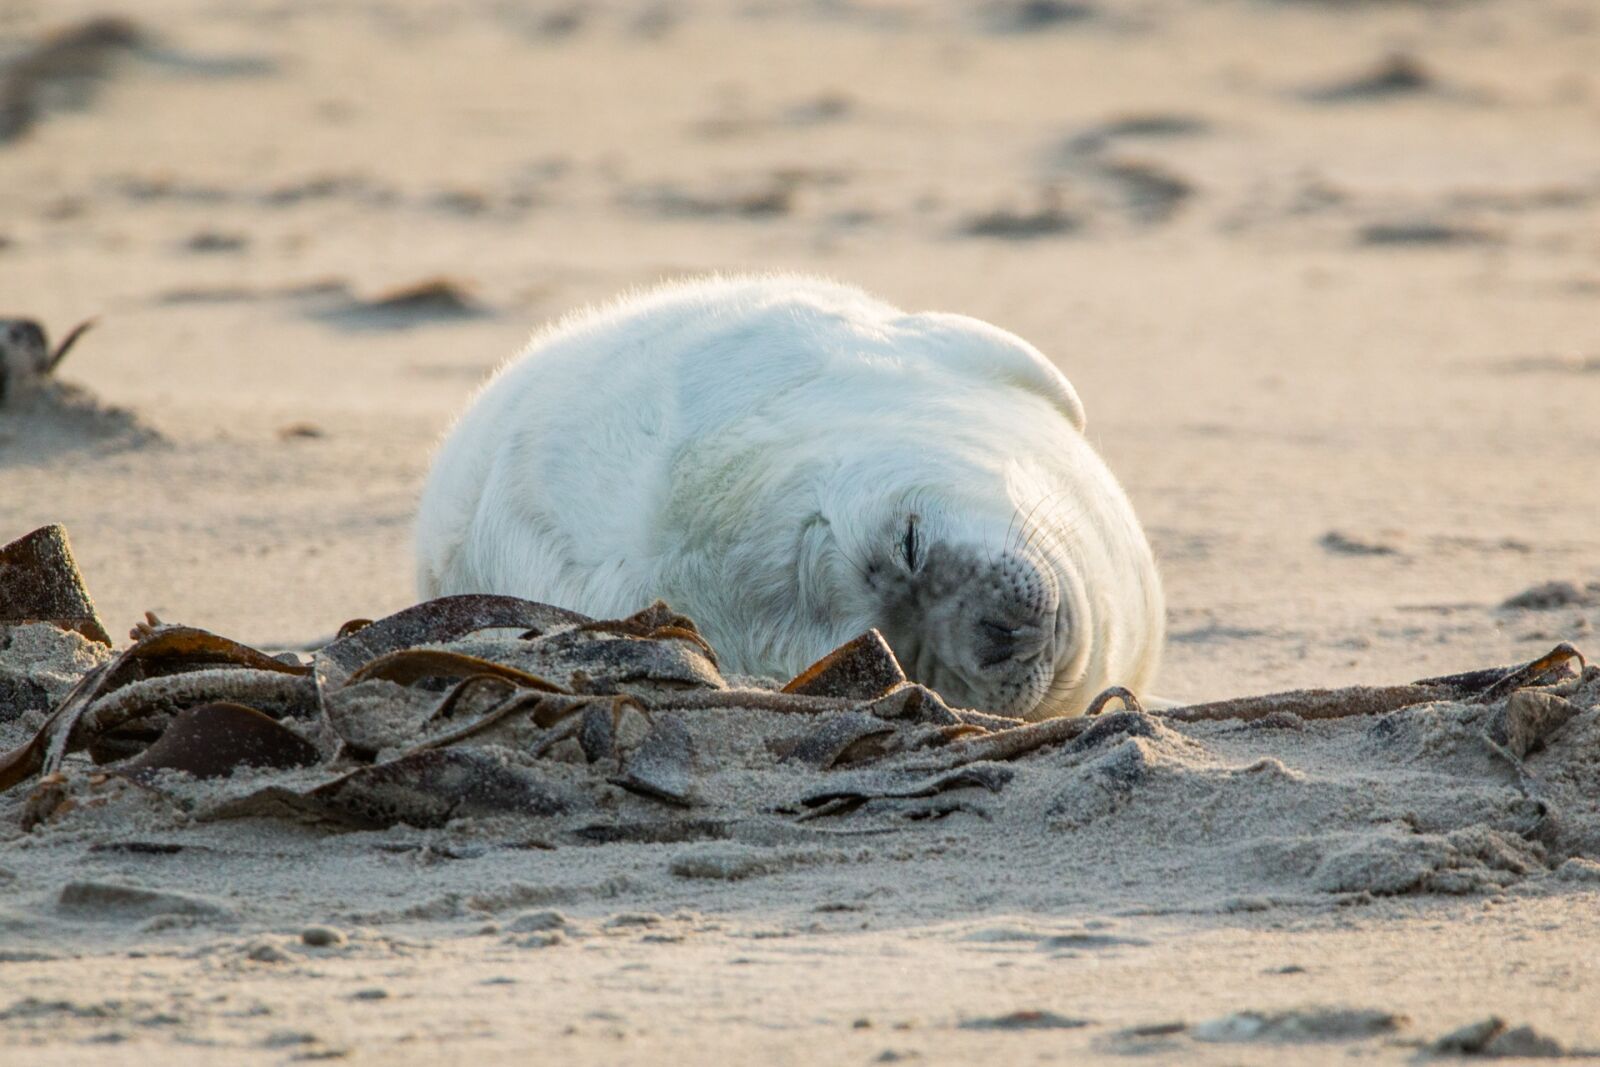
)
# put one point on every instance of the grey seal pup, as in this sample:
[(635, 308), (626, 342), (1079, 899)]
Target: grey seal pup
[(790, 461)]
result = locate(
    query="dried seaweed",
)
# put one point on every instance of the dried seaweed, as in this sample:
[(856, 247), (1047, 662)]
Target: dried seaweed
[(423, 789), (214, 740), (463, 730), (860, 669), (599, 659), (40, 582), (411, 665), (207, 668), (443, 619), (840, 739), (860, 788), (663, 766), (1312, 703), (1478, 687)]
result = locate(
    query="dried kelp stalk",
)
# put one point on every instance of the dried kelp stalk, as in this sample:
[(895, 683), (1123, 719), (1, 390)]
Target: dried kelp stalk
[(1474, 686), (1545, 670), (1129, 701), (467, 691), (411, 665), (542, 709), (40, 582), (1312, 703), (1006, 744), (909, 702), (856, 790)]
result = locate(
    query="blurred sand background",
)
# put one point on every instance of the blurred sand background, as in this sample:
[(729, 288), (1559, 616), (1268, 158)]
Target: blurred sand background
[(1326, 274)]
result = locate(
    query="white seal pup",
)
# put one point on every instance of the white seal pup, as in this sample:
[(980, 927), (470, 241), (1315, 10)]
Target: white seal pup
[(789, 462)]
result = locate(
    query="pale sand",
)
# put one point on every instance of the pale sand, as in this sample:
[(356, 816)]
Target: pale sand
[(1257, 374)]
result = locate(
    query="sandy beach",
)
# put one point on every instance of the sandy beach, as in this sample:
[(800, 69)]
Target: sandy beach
[(1325, 274)]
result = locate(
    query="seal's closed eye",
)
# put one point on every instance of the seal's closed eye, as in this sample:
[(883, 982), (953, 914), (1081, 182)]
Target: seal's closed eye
[(911, 545)]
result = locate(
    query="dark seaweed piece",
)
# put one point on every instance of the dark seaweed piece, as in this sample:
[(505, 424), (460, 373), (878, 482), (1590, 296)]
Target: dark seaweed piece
[(1151, 192), (658, 622), (1027, 16), (410, 665), (433, 621), (1477, 687), (40, 582), (861, 669), (1533, 673), (914, 703), (861, 787), (650, 833), (25, 350), (470, 686), (214, 740), (140, 682), (1006, 744), (910, 702), (848, 738), (424, 789), (1312, 703), (1117, 725), (438, 620), (662, 767), (144, 848), (598, 660), (597, 733), (1491, 683), (1548, 595), (545, 709)]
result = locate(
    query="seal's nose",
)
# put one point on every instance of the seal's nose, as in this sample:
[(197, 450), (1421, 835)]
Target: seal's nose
[(999, 642)]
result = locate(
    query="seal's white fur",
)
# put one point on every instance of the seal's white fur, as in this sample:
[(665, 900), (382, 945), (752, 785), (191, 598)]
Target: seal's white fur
[(749, 448)]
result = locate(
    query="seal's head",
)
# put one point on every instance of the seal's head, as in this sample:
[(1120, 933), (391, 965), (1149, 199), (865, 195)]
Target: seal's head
[(988, 622), (995, 588), (985, 538)]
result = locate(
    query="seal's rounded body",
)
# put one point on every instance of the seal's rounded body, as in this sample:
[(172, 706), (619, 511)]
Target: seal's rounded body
[(789, 462)]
